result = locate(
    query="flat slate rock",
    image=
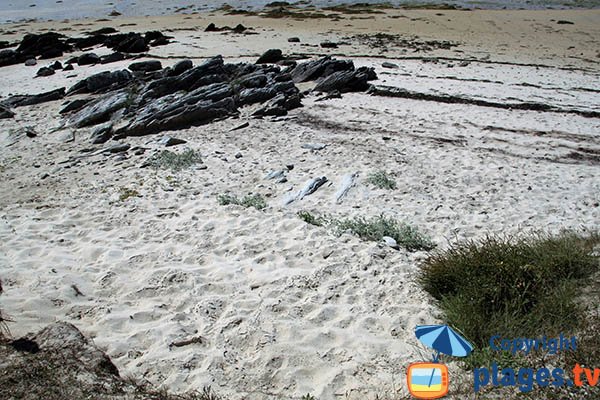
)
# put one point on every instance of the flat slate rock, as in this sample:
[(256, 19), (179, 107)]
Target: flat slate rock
[(6, 113), (168, 141), (32, 99)]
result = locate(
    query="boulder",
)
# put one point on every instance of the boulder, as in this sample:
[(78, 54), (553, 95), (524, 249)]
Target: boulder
[(88, 59), (181, 67), (31, 62), (45, 71)]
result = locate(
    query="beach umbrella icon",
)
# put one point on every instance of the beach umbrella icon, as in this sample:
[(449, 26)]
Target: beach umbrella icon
[(443, 339)]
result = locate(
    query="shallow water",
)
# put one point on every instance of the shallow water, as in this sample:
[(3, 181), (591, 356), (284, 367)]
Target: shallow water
[(17, 10)]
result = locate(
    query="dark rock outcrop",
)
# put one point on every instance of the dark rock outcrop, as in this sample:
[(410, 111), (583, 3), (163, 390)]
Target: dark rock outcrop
[(53, 45)]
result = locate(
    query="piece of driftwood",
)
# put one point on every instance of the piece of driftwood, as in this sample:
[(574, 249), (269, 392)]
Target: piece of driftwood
[(348, 181)]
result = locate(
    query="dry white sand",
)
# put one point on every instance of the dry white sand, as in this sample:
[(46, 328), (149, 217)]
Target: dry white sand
[(285, 308)]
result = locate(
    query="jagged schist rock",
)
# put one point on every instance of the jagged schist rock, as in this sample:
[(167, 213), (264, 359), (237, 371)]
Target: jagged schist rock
[(313, 70), (347, 81), (100, 110)]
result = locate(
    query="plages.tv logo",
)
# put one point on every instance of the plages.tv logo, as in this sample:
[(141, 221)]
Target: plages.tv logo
[(429, 380)]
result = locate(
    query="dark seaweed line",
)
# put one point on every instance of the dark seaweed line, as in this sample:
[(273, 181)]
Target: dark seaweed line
[(389, 91)]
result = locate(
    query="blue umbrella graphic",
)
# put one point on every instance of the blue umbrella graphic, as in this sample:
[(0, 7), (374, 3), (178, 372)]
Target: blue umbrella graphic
[(443, 339)]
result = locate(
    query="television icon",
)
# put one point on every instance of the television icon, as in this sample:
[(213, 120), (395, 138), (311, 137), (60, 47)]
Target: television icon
[(427, 380)]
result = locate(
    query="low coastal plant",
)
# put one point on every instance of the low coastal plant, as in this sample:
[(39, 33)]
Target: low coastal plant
[(125, 193), (377, 228), (373, 229), (519, 286), (255, 200), (311, 218), (175, 161), (381, 180)]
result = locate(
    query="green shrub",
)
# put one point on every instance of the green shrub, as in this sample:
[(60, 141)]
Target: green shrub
[(255, 200), (175, 161), (381, 180), (517, 287), (376, 228)]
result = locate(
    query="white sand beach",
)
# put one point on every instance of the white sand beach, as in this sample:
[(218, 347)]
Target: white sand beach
[(284, 308)]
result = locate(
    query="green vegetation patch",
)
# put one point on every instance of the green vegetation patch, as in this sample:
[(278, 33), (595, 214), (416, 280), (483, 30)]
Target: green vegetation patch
[(381, 180), (255, 200), (514, 286), (373, 229), (175, 161)]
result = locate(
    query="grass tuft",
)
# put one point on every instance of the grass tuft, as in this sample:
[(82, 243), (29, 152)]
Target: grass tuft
[(514, 286), (175, 161), (255, 200), (381, 180)]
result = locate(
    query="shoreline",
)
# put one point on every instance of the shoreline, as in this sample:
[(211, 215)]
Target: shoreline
[(486, 35), (94, 11)]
